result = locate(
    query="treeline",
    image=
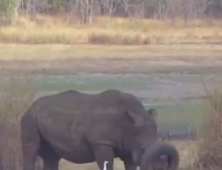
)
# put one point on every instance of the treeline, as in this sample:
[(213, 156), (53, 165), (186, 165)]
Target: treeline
[(86, 10)]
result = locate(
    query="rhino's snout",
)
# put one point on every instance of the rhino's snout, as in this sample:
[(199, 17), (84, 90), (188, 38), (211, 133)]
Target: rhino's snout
[(157, 151)]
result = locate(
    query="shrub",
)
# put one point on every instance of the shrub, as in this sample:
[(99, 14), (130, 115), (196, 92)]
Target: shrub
[(118, 39)]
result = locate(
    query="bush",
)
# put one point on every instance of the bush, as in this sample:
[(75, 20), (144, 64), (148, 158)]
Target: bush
[(16, 95), (118, 39)]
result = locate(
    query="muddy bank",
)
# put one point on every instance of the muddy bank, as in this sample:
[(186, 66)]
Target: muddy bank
[(111, 66)]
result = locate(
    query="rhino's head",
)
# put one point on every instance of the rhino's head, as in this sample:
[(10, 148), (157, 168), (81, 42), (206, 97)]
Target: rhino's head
[(145, 147)]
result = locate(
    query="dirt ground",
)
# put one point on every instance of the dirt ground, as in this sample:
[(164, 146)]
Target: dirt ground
[(111, 66), (67, 59)]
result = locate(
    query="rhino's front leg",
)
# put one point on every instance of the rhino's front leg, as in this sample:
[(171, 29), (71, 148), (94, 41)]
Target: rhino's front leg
[(129, 164), (104, 156)]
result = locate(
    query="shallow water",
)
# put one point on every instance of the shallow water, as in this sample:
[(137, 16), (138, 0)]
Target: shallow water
[(177, 97)]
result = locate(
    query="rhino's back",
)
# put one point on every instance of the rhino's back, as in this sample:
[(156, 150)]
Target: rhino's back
[(71, 108), (75, 100)]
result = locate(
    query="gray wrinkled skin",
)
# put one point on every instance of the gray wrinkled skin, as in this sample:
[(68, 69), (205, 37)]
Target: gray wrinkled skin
[(84, 128)]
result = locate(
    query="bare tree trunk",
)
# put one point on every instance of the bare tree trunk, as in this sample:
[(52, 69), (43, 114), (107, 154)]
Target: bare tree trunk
[(86, 8), (214, 8), (16, 8), (30, 8), (107, 7), (149, 8)]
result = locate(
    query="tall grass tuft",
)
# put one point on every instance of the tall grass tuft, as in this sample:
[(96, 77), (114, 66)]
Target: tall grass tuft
[(210, 146), (118, 39), (16, 95)]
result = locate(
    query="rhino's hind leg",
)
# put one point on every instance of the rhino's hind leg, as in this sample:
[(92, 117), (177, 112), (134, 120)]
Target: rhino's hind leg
[(30, 146), (50, 163), (29, 158), (50, 159), (104, 156)]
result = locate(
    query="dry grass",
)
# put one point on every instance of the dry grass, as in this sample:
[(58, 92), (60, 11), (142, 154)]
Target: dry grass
[(119, 31), (210, 146), (151, 52), (16, 95)]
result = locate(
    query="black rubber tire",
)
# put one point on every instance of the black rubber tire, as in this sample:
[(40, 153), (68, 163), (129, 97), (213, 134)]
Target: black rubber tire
[(156, 151)]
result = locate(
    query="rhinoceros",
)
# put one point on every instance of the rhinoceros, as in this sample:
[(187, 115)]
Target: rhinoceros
[(84, 128)]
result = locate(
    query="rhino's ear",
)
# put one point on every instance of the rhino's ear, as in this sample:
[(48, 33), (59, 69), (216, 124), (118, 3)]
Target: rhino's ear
[(136, 119), (152, 112)]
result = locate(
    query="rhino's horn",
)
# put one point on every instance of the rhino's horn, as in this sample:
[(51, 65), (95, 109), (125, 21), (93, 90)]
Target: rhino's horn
[(156, 151)]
